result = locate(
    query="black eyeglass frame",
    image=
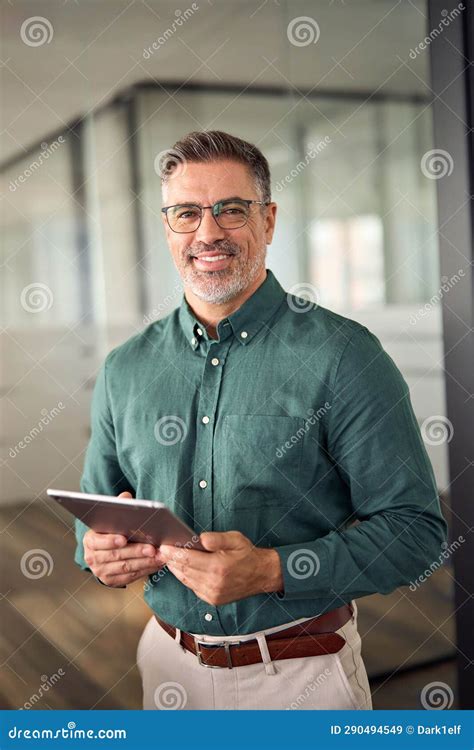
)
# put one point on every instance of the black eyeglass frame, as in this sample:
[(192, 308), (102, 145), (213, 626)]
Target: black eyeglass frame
[(202, 209)]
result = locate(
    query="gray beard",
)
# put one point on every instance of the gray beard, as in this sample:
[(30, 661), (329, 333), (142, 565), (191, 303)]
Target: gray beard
[(218, 287)]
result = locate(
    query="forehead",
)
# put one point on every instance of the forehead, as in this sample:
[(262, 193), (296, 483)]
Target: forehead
[(209, 182)]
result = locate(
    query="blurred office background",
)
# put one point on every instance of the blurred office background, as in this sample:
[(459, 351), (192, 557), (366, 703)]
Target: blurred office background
[(347, 125)]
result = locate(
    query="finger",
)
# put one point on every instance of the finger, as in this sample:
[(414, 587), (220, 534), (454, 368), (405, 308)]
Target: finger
[(189, 578), (126, 578), (184, 559), (131, 551), (126, 494), (96, 540), (216, 540), (126, 566)]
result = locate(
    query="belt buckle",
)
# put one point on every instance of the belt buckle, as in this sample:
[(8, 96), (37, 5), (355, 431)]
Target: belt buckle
[(224, 644)]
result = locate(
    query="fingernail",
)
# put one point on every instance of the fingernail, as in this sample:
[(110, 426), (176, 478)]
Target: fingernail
[(118, 541)]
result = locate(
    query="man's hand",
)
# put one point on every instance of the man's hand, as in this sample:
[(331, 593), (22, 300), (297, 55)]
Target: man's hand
[(232, 568), (117, 562)]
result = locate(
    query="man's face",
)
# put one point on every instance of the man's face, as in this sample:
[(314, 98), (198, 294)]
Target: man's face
[(244, 248)]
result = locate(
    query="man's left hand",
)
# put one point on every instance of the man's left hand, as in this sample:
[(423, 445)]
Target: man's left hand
[(232, 568)]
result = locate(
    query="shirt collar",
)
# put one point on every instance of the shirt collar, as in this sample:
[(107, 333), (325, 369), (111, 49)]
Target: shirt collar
[(245, 322)]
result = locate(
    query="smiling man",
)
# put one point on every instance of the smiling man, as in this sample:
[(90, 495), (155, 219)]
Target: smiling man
[(283, 434)]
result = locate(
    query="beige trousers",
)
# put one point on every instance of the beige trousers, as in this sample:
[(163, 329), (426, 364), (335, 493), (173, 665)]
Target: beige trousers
[(173, 678)]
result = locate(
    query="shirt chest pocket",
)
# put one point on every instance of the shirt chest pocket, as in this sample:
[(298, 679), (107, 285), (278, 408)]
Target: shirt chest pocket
[(261, 461)]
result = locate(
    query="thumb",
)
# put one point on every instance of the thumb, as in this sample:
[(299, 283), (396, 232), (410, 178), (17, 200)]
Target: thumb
[(126, 494), (216, 540)]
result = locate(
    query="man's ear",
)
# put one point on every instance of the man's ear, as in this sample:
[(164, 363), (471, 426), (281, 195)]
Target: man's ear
[(270, 221)]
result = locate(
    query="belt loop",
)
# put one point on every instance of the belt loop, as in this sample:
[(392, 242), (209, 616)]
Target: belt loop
[(266, 658), (177, 637)]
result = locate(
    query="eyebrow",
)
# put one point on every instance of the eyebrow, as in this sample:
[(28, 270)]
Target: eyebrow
[(221, 200)]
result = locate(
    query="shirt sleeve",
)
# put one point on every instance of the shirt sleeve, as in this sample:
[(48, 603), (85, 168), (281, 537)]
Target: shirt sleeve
[(102, 473), (395, 528)]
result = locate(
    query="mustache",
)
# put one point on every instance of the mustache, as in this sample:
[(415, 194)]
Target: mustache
[(223, 246)]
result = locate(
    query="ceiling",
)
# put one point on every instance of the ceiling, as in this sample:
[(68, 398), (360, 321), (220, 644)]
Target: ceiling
[(93, 49)]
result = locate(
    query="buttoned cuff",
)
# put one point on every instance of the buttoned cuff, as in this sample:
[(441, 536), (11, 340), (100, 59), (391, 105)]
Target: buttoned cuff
[(305, 571)]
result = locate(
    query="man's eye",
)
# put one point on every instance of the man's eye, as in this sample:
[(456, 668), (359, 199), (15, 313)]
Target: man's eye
[(233, 211), (188, 214)]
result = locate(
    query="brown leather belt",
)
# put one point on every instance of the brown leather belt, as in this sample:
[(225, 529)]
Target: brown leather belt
[(311, 638)]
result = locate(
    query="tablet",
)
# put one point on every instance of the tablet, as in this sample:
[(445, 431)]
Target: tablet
[(146, 521)]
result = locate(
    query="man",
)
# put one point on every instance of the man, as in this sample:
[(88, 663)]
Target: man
[(279, 431)]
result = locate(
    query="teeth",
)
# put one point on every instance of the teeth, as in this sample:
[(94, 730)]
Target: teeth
[(212, 258)]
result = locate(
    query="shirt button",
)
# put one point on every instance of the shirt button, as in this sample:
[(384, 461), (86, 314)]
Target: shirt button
[(244, 334), (205, 420), (193, 341), (214, 361), (199, 331), (208, 616), (203, 484)]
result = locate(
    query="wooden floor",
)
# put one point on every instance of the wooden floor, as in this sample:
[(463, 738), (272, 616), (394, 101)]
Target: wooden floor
[(78, 639)]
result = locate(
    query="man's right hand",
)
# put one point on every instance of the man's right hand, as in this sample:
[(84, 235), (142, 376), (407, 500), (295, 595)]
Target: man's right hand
[(118, 562)]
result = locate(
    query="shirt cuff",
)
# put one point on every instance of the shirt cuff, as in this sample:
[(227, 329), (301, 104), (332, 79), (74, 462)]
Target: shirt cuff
[(305, 571), (106, 584)]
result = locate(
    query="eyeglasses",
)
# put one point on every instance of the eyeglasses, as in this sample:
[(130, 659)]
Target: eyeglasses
[(229, 214)]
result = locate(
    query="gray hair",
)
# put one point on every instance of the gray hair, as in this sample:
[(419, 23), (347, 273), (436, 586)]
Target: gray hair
[(212, 145)]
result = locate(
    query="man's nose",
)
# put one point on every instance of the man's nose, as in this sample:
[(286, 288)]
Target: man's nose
[(209, 231)]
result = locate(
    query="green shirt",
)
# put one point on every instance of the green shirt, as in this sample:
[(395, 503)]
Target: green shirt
[(294, 427)]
